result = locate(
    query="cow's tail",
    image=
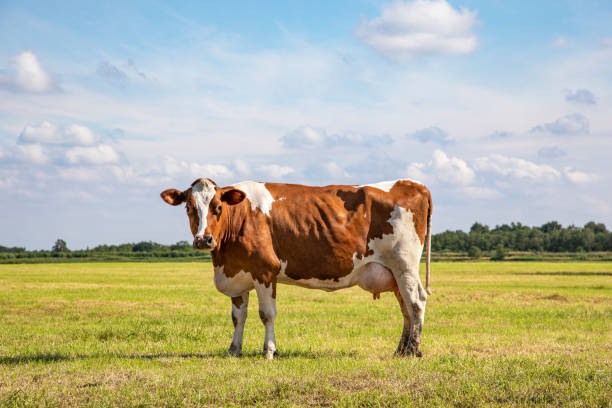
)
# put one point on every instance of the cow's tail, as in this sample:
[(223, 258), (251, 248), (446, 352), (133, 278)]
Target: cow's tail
[(428, 260)]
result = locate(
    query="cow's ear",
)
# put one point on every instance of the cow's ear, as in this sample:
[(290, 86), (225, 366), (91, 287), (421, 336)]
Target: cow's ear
[(233, 196), (173, 196)]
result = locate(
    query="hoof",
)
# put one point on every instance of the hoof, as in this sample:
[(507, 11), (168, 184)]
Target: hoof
[(233, 351), (406, 350), (269, 355)]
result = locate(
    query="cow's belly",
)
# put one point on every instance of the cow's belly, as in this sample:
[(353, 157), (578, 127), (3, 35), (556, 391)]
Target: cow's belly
[(233, 286), (372, 277)]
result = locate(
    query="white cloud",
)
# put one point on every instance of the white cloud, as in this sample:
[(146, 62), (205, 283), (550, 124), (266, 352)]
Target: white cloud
[(209, 170), (452, 169), (334, 170), (309, 137), (101, 154), (242, 167), (32, 153), (80, 135), (79, 174), (305, 137), (432, 134), (517, 168), (405, 29), (482, 192), (30, 76), (46, 133), (172, 167), (583, 96), (415, 171), (567, 125), (275, 171), (579, 177), (443, 169)]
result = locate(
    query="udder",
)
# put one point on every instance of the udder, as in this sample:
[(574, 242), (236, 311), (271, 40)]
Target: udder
[(376, 278)]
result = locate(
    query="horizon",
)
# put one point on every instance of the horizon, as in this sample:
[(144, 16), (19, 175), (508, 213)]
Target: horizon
[(500, 109)]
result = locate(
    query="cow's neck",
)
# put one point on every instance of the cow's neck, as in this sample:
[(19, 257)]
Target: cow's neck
[(229, 230)]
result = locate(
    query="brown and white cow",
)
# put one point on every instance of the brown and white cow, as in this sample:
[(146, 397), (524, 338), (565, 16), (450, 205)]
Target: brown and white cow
[(329, 238)]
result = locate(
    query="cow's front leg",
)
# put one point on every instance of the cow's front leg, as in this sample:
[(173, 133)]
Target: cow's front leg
[(266, 295), (240, 305)]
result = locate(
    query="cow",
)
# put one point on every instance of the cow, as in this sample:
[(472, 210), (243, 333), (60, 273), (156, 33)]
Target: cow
[(329, 238)]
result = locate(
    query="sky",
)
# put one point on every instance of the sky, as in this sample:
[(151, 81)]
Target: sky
[(502, 108)]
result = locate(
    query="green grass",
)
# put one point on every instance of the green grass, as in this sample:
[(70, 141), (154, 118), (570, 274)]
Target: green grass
[(154, 334)]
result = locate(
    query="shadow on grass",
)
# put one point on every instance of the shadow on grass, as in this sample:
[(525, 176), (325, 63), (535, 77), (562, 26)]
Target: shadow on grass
[(565, 273), (58, 357)]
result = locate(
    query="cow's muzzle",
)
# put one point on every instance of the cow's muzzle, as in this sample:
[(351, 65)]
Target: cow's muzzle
[(204, 242)]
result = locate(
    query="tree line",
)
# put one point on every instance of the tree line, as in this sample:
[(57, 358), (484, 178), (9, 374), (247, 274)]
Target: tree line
[(144, 250), (550, 237)]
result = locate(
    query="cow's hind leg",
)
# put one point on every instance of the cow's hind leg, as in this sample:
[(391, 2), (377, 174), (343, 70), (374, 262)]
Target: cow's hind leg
[(240, 305), (267, 312), (412, 297)]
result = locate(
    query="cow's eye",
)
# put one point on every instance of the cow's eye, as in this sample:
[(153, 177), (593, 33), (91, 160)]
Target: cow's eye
[(187, 208), (219, 208)]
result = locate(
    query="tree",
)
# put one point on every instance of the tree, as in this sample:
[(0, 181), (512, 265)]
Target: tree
[(499, 253), (595, 227), (143, 246), (479, 228), (551, 226), (474, 252), (60, 246)]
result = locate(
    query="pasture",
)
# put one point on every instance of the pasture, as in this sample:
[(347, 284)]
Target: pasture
[(154, 334)]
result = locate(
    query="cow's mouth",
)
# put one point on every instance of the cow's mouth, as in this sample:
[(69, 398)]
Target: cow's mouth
[(204, 243)]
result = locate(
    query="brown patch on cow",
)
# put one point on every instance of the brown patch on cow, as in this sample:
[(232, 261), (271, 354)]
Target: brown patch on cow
[(237, 301)]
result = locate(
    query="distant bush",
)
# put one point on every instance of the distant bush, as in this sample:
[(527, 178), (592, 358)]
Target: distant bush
[(474, 252), (499, 253)]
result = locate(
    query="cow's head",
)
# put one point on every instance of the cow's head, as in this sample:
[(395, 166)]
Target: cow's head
[(204, 202)]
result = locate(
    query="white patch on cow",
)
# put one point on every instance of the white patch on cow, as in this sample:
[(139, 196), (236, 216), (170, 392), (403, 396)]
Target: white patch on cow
[(267, 313), (258, 195), (236, 285), (283, 267), (381, 185), (203, 192), (386, 185), (399, 251)]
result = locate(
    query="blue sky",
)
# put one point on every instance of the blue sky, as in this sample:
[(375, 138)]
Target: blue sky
[(501, 107)]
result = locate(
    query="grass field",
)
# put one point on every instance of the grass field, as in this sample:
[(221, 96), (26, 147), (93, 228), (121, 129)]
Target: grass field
[(154, 334)]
